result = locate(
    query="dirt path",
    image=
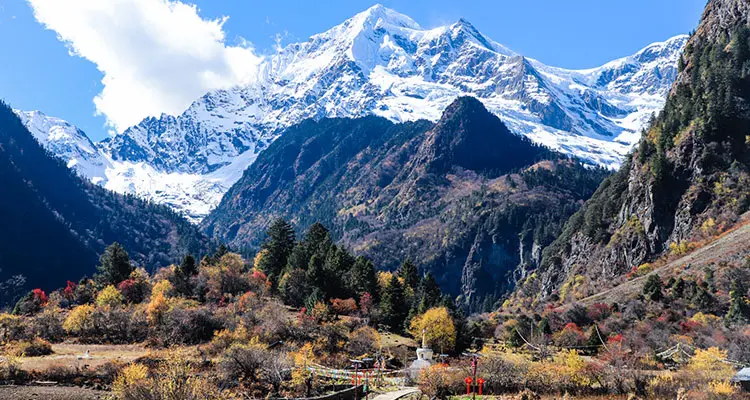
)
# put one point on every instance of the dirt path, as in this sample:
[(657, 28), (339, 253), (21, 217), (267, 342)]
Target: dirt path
[(49, 393), (397, 394)]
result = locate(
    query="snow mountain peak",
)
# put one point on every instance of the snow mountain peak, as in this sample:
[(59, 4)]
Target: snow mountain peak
[(379, 62)]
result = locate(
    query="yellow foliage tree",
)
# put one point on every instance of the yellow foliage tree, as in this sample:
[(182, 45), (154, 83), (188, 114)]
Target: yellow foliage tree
[(438, 327), (80, 319), (109, 297), (162, 287), (711, 364), (156, 308)]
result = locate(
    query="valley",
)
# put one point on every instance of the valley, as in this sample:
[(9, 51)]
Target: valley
[(383, 210)]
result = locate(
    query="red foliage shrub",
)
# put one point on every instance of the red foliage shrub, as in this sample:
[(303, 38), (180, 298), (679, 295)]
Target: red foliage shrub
[(40, 297), (599, 311), (69, 291)]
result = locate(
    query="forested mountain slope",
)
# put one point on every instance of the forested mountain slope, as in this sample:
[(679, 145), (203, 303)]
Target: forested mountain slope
[(54, 223), (464, 198)]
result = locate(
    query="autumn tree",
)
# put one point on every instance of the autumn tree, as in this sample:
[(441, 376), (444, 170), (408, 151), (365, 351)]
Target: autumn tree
[(114, 265), (438, 327), (109, 297)]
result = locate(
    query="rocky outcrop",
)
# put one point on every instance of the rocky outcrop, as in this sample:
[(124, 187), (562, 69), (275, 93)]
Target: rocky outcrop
[(689, 177)]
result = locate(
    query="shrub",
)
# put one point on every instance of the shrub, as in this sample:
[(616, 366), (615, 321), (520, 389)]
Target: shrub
[(344, 306), (48, 325), (710, 364), (80, 321), (109, 297), (11, 327), (721, 389), (32, 303), (34, 348), (174, 379), (438, 381), (364, 340), (136, 288)]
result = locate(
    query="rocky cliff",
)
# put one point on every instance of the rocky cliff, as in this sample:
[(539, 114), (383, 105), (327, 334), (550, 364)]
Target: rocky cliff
[(686, 182)]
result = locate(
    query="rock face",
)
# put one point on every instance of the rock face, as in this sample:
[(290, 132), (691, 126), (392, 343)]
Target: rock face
[(381, 63), (444, 194), (55, 224), (688, 179)]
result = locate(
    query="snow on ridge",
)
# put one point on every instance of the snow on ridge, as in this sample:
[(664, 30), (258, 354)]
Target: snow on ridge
[(377, 62)]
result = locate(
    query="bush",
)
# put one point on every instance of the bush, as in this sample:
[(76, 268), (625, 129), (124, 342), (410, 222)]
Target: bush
[(48, 325), (32, 348), (11, 327), (363, 341), (174, 379), (440, 382), (80, 321), (109, 297), (254, 364)]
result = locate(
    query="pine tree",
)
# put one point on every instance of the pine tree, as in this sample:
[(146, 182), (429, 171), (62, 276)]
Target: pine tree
[(739, 312), (409, 273), (428, 294), (315, 273), (278, 246), (317, 240), (393, 305), (114, 265), (652, 288), (188, 266), (363, 278)]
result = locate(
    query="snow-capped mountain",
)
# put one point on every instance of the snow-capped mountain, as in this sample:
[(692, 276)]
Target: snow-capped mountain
[(378, 62)]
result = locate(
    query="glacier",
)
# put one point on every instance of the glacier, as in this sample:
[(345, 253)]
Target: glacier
[(378, 62)]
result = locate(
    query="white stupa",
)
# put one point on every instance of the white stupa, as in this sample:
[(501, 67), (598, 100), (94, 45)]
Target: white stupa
[(424, 358)]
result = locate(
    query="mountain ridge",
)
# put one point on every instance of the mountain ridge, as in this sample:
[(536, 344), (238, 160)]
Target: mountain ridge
[(383, 63)]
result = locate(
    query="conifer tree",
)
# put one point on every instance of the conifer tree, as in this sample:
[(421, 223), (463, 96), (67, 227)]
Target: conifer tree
[(652, 288), (739, 312), (114, 265), (408, 272), (317, 240), (363, 278), (188, 266), (278, 246), (393, 305), (315, 273), (428, 294)]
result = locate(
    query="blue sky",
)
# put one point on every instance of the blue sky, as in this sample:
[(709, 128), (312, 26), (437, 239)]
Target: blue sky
[(39, 72)]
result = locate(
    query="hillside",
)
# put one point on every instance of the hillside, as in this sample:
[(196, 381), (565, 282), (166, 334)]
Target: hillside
[(464, 198), (687, 181), (55, 224)]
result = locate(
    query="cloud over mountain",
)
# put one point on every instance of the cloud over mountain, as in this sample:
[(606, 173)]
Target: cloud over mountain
[(157, 56)]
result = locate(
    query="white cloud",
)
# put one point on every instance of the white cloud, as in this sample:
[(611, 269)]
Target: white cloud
[(157, 56)]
